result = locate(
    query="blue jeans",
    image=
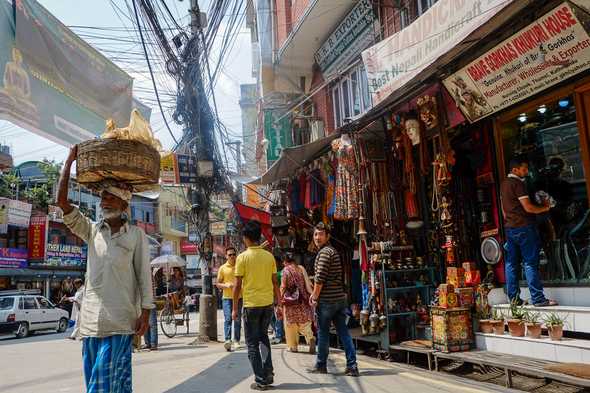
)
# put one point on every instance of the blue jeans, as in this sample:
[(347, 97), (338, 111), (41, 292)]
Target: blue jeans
[(256, 321), (151, 335), (523, 242), (227, 323), (278, 327), (336, 313)]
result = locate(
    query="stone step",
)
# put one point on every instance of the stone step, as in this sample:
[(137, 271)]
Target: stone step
[(577, 318), (567, 350), (567, 296)]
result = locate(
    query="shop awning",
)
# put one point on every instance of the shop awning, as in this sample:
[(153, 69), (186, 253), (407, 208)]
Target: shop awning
[(40, 273), (293, 158)]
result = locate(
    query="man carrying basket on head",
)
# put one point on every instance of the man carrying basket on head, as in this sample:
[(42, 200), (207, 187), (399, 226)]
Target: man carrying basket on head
[(118, 292)]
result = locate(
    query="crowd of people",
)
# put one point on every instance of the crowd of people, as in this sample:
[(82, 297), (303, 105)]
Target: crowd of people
[(115, 305)]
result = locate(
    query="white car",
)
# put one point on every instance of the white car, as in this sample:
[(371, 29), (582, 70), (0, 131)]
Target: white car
[(21, 314)]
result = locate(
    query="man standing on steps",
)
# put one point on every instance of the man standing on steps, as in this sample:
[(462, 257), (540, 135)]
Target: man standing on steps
[(522, 235), (226, 281), (330, 299), (118, 291), (256, 280)]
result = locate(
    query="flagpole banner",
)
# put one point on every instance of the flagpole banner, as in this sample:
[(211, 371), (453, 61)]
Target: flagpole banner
[(52, 82), (396, 60), (544, 53)]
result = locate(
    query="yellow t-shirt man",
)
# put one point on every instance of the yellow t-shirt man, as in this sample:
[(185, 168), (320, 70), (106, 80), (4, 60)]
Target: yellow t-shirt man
[(256, 266), (226, 274)]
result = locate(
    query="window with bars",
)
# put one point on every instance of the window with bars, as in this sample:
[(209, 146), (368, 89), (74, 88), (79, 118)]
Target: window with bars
[(350, 96)]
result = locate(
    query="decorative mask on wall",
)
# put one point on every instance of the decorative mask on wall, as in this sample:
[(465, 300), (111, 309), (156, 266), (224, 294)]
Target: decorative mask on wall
[(428, 111), (413, 130)]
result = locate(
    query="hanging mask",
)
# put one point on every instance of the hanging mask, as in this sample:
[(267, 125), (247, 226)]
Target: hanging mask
[(413, 130)]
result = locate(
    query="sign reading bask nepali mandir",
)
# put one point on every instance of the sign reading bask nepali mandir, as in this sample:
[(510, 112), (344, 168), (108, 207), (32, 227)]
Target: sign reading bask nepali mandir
[(396, 60), (353, 34), (542, 54)]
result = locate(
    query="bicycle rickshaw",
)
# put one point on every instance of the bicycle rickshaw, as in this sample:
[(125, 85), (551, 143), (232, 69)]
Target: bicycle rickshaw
[(172, 307)]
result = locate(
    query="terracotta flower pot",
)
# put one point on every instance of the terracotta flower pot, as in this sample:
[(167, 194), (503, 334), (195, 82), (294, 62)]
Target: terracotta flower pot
[(533, 330), (485, 326), (555, 332), (498, 327), (516, 327)]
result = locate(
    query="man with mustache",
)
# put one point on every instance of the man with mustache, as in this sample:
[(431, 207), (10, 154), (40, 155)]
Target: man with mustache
[(118, 290)]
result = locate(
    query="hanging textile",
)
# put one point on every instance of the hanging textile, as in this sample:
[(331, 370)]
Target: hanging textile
[(347, 203)]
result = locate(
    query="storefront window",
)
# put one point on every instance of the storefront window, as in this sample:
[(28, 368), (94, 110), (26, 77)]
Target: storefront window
[(356, 97), (548, 137), (336, 95)]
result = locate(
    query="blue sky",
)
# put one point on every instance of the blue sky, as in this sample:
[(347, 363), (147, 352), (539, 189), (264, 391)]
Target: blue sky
[(102, 14)]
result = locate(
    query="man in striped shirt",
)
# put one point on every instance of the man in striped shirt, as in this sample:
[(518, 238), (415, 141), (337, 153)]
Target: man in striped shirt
[(330, 299)]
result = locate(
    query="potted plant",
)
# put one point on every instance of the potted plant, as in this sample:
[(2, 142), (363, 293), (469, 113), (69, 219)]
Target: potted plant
[(554, 323), (497, 321), (533, 324), (516, 322), (485, 324)]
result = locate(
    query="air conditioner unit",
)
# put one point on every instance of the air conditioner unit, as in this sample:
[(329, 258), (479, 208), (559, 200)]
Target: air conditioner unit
[(317, 129)]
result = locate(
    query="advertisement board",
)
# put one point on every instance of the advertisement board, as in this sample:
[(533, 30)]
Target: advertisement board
[(277, 130), (187, 169), (546, 52), (37, 237), (396, 60), (65, 255), (13, 258), (168, 169)]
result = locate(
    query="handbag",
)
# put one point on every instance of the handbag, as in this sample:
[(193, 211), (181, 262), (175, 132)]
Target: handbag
[(291, 297)]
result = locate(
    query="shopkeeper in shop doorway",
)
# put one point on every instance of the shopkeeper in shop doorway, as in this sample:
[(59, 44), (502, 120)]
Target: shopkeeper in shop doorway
[(522, 235)]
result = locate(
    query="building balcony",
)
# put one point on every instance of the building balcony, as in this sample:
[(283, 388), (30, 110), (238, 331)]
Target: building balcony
[(311, 27)]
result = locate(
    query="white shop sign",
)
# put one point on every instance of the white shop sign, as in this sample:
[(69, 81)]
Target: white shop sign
[(396, 60), (544, 53)]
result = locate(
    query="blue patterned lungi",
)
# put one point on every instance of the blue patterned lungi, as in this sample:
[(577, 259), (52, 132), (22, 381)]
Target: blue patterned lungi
[(107, 364)]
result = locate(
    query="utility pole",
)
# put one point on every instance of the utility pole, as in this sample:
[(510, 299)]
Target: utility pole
[(207, 301)]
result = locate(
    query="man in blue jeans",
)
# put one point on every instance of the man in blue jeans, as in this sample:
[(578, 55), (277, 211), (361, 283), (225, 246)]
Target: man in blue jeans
[(329, 298), (225, 282), (522, 236)]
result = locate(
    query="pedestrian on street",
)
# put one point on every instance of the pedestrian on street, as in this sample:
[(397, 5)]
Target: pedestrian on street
[(522, 235), (76, 301), (329, 298), (256, 279), (226, 281), (276, 324), (298, 314), (118, 292), (151, 335)]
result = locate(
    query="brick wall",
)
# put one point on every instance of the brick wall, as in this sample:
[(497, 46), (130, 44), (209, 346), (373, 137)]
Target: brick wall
[(283, 21), (390, 15), (322, 102), (298, 8)]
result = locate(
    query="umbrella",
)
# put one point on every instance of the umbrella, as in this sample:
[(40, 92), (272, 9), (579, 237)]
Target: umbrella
[(168, 261)]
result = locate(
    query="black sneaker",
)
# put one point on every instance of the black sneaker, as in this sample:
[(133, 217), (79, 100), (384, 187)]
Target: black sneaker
[(318, 370), (270, 379), (258, 386), (352, 372)]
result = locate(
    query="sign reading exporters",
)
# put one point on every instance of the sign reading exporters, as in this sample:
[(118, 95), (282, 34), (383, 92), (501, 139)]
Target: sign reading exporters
[(396, 60), (37, 237), (13, 258), (355, 33), (546, 52)]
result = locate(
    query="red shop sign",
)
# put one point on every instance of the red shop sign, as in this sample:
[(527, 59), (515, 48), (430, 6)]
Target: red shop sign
[(37, 237), (188, 248)]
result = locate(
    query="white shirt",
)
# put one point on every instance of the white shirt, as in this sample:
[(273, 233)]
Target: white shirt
[(118, 278), (77, 303)]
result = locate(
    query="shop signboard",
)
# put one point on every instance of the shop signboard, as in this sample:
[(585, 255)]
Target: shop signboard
[(188, 248), (277, 130), (37, 237), (65, 255), (218, 228), (253, 195), (355, 33), (14, 258), (187, 169), (168, 169), (396, 60), (546, 52)]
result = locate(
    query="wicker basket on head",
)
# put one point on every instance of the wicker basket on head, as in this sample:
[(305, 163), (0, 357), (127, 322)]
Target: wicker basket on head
[(126, 161)]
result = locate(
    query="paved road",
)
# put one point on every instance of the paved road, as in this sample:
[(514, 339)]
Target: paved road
[(50, 363)]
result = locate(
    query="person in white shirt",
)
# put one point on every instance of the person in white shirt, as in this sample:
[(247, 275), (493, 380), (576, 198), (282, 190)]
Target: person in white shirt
[(118, 292), (76, 301)]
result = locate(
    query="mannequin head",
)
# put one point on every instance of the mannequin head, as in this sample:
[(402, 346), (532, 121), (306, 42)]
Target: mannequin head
[(413, 130)]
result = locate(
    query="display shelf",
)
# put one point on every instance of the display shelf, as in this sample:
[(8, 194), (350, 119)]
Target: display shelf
[(398, 289), (422, 269), (402, 314)]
